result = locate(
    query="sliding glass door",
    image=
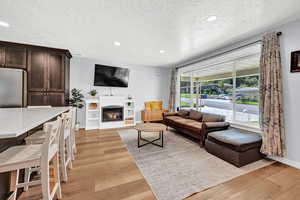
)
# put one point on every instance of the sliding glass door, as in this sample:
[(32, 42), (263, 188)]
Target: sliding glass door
[(230, 89)]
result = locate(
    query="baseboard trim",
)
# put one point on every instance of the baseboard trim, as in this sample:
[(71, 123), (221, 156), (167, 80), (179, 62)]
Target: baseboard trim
[(286, 161)]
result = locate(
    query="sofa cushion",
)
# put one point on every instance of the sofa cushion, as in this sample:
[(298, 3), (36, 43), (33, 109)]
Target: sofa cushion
[(208, 117), (183, 113), (195, 115), (194, 126), (237, 140)]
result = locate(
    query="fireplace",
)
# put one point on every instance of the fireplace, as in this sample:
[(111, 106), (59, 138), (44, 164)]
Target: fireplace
[(112, 113)]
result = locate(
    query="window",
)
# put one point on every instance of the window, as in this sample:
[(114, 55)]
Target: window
[(230, 89)]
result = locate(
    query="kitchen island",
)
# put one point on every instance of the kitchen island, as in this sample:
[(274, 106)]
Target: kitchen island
[(16, 124)]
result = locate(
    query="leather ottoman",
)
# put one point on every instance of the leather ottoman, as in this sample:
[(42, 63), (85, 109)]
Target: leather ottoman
[(235, 146)]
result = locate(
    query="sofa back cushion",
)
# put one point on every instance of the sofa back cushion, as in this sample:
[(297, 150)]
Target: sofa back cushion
[(207, 117), (195, 115), (183, 113)]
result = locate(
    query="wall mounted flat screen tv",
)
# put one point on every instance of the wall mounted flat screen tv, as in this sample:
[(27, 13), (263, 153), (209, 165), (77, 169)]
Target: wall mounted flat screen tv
[(109, 76)]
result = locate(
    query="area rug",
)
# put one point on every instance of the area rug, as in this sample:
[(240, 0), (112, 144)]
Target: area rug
[(181, 168)]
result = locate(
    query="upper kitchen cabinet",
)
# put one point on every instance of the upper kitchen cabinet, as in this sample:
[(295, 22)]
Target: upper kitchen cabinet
[(37, 70), (13, 56), (2, 56), (56, 72)]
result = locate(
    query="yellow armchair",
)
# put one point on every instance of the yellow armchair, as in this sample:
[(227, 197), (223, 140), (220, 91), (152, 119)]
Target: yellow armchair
[(153, 111)]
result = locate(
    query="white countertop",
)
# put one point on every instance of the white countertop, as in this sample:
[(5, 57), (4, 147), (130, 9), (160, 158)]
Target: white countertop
[(17, 121)]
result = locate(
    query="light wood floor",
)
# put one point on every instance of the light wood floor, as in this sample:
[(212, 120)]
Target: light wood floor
[(104, 170)]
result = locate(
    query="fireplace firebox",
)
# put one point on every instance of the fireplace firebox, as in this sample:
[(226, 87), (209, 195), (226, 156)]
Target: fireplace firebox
[(112, 113)]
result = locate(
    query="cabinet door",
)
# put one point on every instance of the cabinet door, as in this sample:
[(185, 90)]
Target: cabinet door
[(37, 99), (37, 70), (2, 56), (15, 57), (56, 65), (56, 99)]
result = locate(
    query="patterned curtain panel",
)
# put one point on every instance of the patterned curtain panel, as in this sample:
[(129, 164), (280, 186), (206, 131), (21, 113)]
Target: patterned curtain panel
[(172, 96), (271, 97)]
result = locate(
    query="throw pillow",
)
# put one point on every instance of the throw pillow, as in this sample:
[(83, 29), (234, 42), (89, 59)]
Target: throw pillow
[(183, 113), (156, 106), (195, 115), (207, 117)]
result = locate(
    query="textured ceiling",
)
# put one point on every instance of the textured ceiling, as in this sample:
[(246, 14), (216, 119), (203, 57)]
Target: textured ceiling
[(143, 27)]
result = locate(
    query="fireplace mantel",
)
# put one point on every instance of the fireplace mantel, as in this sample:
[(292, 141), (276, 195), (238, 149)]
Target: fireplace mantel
[(95, 108)]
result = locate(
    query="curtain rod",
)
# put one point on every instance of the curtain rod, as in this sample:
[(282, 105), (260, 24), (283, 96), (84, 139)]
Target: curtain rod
[(224, 52)]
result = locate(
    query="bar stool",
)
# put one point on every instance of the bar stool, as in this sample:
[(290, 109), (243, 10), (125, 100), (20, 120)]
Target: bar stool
[(65, 147), (43, 155), (73, 133)]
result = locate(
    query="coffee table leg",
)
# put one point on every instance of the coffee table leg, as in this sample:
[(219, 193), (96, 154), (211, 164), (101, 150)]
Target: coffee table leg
[(162, 139), (139, 135)]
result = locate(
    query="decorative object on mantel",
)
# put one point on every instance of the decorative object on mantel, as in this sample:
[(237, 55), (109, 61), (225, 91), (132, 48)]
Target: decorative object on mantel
[(129, 97), (76, 101), (93, 93), (295, 61)]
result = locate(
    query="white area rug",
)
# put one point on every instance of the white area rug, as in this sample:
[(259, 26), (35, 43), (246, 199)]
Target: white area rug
[(181, 168)]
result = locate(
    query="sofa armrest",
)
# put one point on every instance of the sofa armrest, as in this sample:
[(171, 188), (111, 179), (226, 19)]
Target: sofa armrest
[(216, 126), (170, 114)]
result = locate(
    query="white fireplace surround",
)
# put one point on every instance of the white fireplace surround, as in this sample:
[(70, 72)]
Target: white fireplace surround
[(93, 116)]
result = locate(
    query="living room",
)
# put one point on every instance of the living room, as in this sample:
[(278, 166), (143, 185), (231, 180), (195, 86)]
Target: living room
[(149, 100)]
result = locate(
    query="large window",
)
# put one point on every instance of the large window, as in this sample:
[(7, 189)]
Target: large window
[(230, 89)]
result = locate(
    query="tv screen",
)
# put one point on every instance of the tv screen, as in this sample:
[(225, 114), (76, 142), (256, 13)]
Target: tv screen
[(109, 76)]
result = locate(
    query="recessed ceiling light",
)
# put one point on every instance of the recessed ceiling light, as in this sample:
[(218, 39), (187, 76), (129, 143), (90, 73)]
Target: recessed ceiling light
[(4, 24), (116, 43), (211, 18), (162, 51)]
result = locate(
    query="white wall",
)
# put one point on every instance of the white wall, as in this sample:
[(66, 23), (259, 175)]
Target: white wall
[(145, 83), (290, 41)]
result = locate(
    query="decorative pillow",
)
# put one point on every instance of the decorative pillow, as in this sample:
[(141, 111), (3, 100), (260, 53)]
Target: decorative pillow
[(195, 115), (157, 105), (183, 113), (207, 117)]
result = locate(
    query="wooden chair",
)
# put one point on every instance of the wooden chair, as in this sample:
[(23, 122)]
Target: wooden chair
[(153, 111), (28, 156), (65, 146)]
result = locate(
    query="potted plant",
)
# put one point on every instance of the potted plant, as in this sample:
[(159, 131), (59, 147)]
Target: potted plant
[(76, 101), (93, 93)]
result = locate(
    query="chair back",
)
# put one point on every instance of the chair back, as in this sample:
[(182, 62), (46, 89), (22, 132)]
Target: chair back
[(153, 105), (51, 143), (66, 124), (74, 112)]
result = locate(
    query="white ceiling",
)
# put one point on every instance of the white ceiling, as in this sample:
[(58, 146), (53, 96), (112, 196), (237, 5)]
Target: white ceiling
[(143, 27)]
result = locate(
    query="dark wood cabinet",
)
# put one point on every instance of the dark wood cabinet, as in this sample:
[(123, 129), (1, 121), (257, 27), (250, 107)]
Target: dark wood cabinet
[(56, 72), (46, 98), (48, 71), (13, 56), (37, 71), (2, 56)]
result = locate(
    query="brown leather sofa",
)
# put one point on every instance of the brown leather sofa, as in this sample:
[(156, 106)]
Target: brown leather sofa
[(195, 124)]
